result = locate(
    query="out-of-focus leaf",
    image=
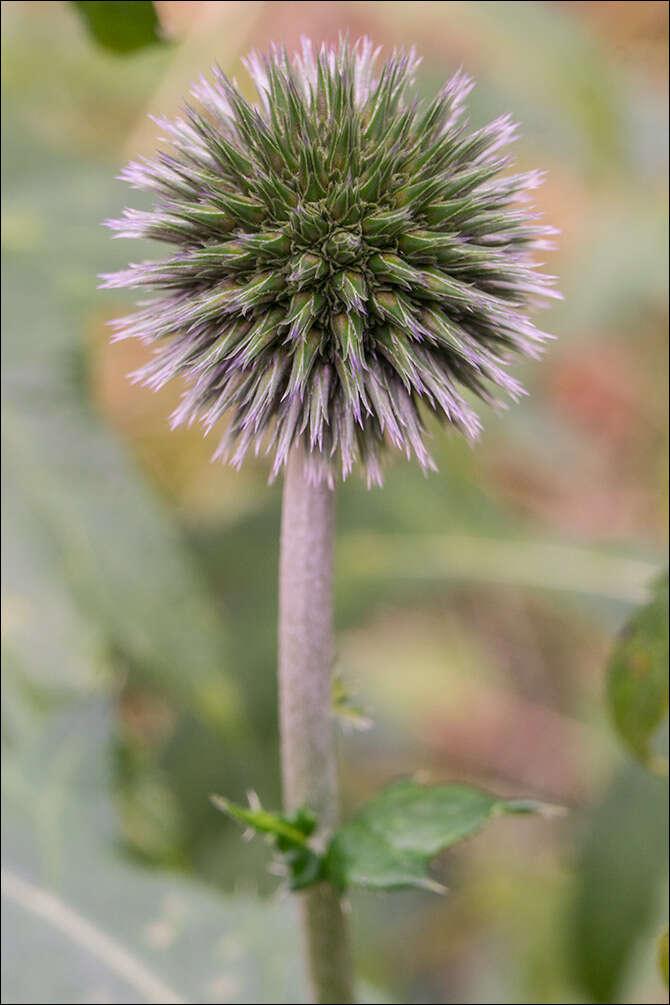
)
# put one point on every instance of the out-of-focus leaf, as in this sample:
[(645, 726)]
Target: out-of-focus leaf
[(663, 964), (528, 563), (82, 924), (620, 876), (78, 501), (61, 650), (637, 676), (391, 840), (117, 549), (122, 26)]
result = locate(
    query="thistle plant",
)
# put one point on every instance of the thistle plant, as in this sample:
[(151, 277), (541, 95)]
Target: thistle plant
[(350, 260)]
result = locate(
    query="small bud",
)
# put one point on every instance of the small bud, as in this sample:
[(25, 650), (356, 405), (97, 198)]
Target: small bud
[(343, 247), (307, 269)]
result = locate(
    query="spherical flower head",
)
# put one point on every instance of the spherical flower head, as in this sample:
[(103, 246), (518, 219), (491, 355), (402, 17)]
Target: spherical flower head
[(349, 260)]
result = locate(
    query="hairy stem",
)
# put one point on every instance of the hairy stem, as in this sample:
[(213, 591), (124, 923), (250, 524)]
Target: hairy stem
[(308, 758)]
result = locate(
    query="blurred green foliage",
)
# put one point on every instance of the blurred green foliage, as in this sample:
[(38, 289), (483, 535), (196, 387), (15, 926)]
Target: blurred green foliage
[(663, 956), (120, 26), (475, 609), (622, 857), (637, 682)]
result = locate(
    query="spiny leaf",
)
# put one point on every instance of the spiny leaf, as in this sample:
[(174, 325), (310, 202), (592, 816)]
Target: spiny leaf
[(267, 823), (289, 834)]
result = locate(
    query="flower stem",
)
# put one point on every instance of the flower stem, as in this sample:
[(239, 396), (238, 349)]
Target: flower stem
[(308, 756)]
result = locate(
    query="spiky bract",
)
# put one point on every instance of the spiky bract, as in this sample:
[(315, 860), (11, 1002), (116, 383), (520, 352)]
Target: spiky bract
[(347, 257)]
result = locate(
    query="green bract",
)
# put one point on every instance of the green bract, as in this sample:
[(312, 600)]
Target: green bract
[(349, 258)]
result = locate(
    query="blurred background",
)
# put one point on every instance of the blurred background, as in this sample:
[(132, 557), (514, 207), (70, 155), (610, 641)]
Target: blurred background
[(475, 608)]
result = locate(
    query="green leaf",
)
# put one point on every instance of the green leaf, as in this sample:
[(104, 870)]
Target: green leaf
[(620, 876), (119, 576), (663, 964), (293, 830), (637, 676), (121, 26), (390, 842), (290, 835)]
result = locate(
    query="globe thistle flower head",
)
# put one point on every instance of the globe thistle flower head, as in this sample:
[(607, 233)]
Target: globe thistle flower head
[(349, 260)]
